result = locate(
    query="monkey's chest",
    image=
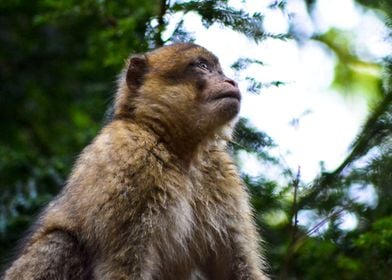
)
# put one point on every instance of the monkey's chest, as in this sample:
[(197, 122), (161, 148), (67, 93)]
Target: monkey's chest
[(196, 232), (201, 221)]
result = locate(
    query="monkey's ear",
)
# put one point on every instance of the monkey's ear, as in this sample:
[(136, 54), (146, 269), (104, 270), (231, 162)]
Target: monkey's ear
[(137, 68)]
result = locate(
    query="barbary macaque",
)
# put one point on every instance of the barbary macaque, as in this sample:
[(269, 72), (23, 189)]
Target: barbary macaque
[(156, 194)]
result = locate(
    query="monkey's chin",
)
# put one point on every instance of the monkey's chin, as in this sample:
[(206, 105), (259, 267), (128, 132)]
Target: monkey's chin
[(228, 108)]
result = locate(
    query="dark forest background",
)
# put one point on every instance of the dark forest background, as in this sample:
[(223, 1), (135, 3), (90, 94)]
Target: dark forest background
[(58, 63)]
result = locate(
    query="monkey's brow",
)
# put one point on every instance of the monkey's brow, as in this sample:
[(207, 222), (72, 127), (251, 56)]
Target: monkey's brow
[(212, 60), (215, 59)]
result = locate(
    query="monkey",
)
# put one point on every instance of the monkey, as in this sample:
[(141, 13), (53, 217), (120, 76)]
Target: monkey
[(156, 195)]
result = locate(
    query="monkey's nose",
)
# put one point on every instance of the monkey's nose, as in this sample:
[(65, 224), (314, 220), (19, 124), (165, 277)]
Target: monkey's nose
[(232, 82)]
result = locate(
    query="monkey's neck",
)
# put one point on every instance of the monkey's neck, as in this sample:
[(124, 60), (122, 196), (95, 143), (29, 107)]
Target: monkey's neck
[(182, 141)]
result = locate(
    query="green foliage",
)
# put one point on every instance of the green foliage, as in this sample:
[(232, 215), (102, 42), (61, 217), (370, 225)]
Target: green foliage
[(249, 139), (352, 74), (57, 72), (254, 86)]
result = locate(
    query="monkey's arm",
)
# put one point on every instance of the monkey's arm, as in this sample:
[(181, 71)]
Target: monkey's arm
[(247, 263), (244, 253), (56, 255)]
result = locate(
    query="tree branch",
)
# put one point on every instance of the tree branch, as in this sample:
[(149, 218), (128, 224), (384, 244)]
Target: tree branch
[(161, 23)]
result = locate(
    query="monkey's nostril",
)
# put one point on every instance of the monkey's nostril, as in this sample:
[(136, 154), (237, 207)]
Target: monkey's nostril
[(230, 81)]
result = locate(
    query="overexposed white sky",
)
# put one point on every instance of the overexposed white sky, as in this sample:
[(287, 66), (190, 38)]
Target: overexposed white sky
[(325, 122)]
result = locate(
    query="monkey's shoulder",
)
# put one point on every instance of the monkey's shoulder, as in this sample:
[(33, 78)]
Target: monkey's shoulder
[(122, 154), (110, 176), (118, 144), (125, 138)]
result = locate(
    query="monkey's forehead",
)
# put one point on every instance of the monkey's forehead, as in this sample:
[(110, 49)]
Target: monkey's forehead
[(181, 51)]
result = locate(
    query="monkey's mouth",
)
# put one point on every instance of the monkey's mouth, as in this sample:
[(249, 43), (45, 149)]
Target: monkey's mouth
[(235, 94)]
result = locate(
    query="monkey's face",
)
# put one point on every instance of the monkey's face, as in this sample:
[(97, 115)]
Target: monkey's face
[(186, 80), (216, 96)]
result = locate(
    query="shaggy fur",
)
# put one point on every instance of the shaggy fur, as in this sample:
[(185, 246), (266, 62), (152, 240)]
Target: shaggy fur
[(156, 195)]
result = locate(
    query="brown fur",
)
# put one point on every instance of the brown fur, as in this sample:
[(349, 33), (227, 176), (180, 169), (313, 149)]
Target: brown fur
[(156, 195)]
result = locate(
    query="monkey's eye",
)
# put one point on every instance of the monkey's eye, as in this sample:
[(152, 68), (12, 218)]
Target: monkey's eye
[(203, 66)]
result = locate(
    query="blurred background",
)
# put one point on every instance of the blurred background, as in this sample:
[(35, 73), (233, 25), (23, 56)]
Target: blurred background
[(313, 142)]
